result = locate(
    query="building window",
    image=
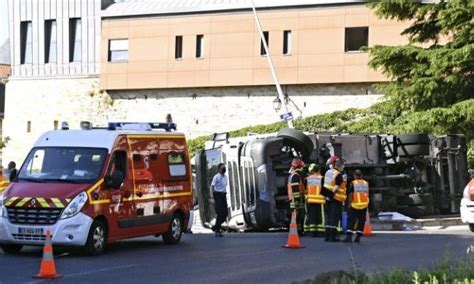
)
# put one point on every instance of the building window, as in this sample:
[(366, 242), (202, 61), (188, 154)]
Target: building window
[(28, 126), (266, 36), (356, 38), (178, 47), (26, 38), (50, 41), (177, 164), (75, 42), (118, 50), (287, 42), (199, 46)]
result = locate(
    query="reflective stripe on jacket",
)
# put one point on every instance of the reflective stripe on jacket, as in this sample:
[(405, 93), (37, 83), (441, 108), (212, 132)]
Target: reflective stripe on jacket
[(340, 194), (330, 184), (360, 197), (330, 179), (314, 186), (297, 194)]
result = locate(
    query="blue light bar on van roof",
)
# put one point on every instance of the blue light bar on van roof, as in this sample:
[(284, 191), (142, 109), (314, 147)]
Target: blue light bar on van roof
[(151, 125)]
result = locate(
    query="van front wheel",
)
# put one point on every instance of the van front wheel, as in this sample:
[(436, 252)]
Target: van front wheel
[(97, 238), (173, 235)]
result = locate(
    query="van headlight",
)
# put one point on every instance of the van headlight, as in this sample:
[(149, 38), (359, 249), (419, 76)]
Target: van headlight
[(3, 209), (75, 206)]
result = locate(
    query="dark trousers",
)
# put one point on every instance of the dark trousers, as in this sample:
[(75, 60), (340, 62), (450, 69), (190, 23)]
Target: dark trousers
[(335, 214), (300, 215), (297, 205), (356, 221), (220, 200), (314, 221)]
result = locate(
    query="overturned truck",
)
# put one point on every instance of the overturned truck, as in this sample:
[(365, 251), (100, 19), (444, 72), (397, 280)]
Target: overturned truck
[(414, 174)]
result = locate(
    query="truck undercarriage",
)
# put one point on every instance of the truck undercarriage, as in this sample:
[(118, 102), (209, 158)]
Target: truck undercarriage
[(414, 174)]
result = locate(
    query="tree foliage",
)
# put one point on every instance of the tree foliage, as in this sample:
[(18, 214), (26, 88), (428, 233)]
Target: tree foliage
[(432, 76), (435, 69)]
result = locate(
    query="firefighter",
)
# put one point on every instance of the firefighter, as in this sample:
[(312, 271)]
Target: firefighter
[(296, 192), (335, 185), (314, 201), (359, 189)]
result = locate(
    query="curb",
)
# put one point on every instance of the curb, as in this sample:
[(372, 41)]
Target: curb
[(417, 224)]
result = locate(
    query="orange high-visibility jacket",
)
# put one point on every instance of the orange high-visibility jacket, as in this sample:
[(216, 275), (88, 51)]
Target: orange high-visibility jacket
[(330, 183), (292, 195), (360, 197), (313, 184)]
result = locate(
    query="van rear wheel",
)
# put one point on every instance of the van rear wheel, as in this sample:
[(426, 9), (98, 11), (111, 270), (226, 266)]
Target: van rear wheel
[(471, 227), (97, 238), (11, 249), (173, 235)]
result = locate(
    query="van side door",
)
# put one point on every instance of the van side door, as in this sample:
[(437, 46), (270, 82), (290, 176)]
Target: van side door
[(174, 176), (121, 205)]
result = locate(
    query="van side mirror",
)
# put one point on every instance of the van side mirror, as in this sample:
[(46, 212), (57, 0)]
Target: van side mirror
[(114, 181)]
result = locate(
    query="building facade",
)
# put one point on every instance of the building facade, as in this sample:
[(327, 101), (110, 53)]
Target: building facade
[(5, 72), (309, 44), (202, 61), (55, 60)]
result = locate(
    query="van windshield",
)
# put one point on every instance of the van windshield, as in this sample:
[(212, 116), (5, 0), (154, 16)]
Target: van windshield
[(63, 164)]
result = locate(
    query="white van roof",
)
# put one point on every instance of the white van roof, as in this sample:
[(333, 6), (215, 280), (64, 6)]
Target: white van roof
[(93, 138)]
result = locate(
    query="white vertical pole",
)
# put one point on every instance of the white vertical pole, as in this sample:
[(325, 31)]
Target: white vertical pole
[(270, 62)]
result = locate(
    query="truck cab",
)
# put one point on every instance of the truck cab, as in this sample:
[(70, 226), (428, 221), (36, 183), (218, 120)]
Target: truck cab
[(90, 187)]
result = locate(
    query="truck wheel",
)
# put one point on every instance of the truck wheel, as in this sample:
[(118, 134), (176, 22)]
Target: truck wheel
[(97, 238), (298, 140), (409, 200), (414, 212), (11, 249), (471, 227), (173, 235), (425, 199)]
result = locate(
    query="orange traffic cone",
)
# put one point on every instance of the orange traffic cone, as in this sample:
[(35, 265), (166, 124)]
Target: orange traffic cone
[(293, 239), (48, 269), (367, 227)]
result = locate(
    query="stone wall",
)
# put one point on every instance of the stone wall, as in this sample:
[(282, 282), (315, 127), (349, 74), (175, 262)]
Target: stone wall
[(43, 104), (207, 110), (37, 104)]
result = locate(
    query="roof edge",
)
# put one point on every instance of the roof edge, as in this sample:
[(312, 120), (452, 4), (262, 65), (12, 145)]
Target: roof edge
[(151, 14)]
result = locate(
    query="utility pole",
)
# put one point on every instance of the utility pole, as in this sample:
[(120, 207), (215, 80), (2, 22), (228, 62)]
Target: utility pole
[(270, 62)]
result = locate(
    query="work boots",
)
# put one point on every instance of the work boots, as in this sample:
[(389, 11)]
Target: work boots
[(333, 236), (357, 239), (348, 239)]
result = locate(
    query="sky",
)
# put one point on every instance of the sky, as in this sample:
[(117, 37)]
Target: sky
[(3, 21)]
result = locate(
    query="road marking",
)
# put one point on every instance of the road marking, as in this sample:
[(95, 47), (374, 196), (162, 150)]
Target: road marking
[(88, 272)]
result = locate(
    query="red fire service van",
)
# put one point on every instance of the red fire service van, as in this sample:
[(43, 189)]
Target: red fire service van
[(93, 186)]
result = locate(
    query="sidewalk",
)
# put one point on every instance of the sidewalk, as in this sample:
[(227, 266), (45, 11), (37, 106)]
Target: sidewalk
[(440, 222), (429, 223)]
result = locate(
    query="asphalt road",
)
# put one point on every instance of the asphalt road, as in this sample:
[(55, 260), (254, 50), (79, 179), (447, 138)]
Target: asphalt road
[(238, 258)]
